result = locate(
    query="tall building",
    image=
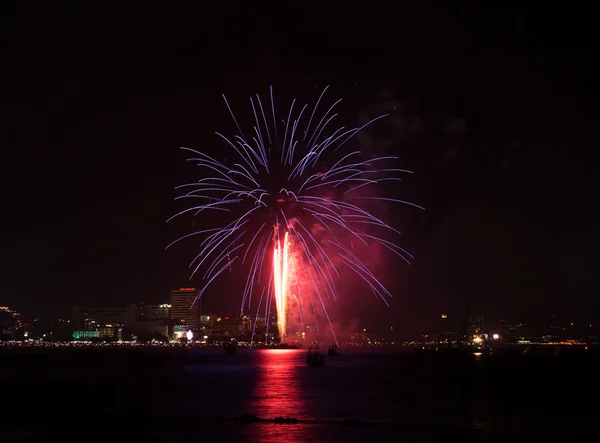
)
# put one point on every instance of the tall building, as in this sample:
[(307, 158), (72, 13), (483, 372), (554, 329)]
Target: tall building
[(183, 308)]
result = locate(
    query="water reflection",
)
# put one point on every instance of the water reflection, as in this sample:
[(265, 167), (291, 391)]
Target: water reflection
[(279, 393), (278, 390)]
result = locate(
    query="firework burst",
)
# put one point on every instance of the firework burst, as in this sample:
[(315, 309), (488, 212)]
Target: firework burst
[(294, 187)]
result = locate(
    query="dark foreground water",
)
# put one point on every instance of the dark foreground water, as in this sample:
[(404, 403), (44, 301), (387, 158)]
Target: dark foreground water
[(359, 396)]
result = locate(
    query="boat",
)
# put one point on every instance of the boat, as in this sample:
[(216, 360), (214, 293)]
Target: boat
[(315, 359), (333, 350), (230, 346)]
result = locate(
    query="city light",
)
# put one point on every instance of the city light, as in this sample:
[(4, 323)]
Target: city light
[(106, 326)]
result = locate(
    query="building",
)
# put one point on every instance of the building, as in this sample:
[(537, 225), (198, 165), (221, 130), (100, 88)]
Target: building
[(155, 312), (9, 319), (12, 312), (134, 312), (246, 326), (85, 335), (86, 316), (184, 307), (208, 321), (47, 328), (180, 331), (107, 322), (513, 331), (150, 327)]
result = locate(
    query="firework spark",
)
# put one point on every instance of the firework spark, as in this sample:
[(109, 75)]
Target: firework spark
[(281, 279), (289, 177)]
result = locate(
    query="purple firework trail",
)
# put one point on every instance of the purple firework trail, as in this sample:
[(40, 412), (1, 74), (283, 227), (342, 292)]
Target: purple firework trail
[(288, 176)]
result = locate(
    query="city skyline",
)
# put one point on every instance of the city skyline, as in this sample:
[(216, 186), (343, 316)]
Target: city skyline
[(105, 321)]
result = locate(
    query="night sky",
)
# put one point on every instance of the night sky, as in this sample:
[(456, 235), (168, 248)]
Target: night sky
[(497, 114)]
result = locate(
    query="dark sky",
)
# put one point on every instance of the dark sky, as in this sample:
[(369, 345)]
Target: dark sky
[(497, 114)]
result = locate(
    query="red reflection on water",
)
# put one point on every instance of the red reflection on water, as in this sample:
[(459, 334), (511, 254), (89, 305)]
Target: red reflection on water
[(278, 392)]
